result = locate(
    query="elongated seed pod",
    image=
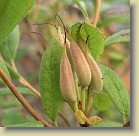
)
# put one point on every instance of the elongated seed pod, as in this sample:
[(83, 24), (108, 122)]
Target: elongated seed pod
[(96, 77), (67, 84), (81, 66)]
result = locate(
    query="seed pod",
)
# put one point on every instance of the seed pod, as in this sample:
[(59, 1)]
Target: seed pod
[(81, 66), (67, 84), (81, 44), (61, 39), (96, 76)]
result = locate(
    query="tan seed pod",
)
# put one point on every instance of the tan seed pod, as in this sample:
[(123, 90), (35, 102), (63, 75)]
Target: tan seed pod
[(81, 44), (67, 83), (80, 64), (96, 76)]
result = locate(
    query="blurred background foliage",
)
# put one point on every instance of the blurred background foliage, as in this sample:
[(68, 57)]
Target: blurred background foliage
[(114, 16)]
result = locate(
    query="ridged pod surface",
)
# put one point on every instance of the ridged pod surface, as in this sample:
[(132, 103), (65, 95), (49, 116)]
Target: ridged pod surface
[(96, 76), (81, 44), (67, 84), (81, 65)]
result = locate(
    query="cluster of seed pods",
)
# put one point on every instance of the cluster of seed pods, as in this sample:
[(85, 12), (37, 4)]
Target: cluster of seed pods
[(79, 61), (80, 77)]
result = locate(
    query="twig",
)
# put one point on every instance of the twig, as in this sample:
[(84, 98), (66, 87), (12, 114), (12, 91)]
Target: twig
[(28, 85), (22, 99), (13, 65), (25, 82), (65, 119), (96, 16)]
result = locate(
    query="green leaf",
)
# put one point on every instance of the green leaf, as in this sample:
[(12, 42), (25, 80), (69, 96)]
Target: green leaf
[(106, 123), (9, 47), (116, 56), (11, 13), (22, 90), (102, 102), (81, 6), (116, 90), (96, 40), (49, 80), (13, 73), (119, 37), (28, 124), (4, 68)]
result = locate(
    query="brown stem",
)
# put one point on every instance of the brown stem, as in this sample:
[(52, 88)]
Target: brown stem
[(65, 119), (22, 99), (96, 16)]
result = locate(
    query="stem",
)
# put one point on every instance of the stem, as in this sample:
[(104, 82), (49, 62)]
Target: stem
[(55, 124), (22, 99), (96, 16), (28, 85), (89, 104), (24, 81), (65, 119), (83, 99), (13, 65), (77, 89), (124, 119)]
